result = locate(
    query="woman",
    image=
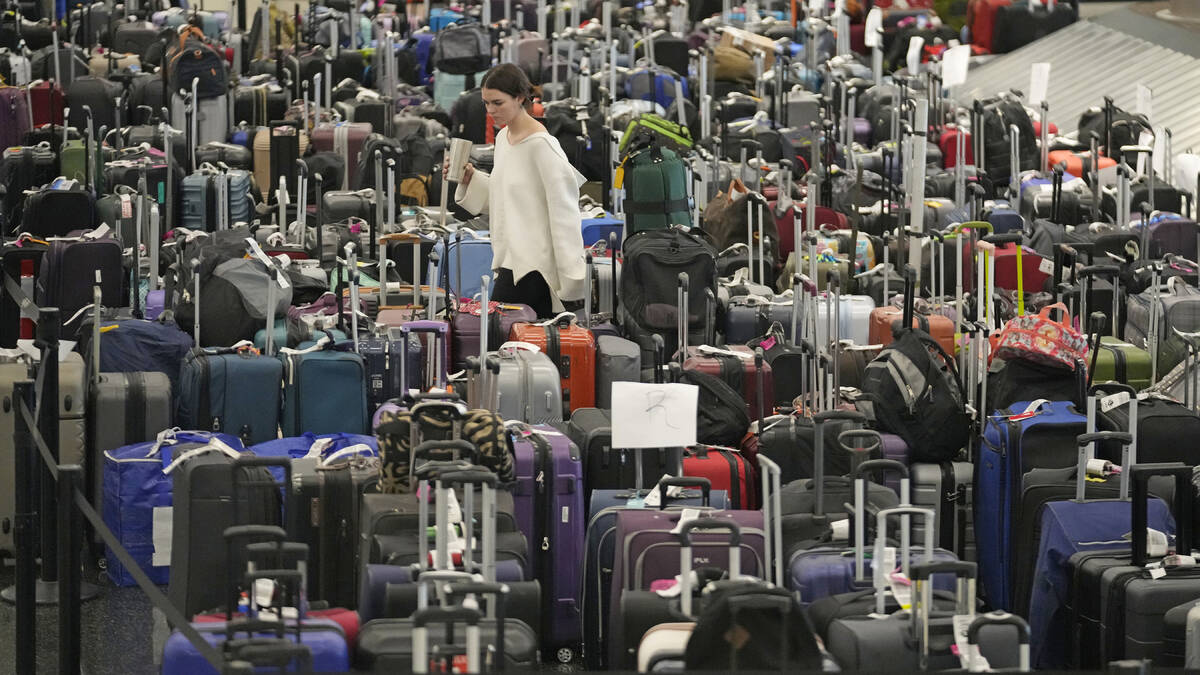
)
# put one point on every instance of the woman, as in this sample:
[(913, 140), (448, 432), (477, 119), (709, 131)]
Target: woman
[(532, 201)]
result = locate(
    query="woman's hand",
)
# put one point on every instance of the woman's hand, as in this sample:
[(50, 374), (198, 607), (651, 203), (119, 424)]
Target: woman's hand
[(468, 172)]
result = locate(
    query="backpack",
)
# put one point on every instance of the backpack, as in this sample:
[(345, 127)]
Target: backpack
[(656, 189), (912, 389), (721, 417), (649, 279), (462, 49), (771, 636), (194, 58)]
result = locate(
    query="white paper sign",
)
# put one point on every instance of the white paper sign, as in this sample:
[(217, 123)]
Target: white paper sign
[(1160, 151), (914, 54), (161, 521), (815, 7), (1039, 82), (1145, 139), (871, 31), (653, 415), (1145, 101), (954, 65)]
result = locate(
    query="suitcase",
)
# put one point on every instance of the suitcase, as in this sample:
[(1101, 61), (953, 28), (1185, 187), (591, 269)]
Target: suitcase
[(135, 407), (727, 470), (346, 139), (276, 150), (528, 385), (608, 468), (470, 249), (947, 489), (1015, 439), (324, 391), (71, 430), (939, 327), (120, 211), (216, 153), (233, 391), (467, 322), (68, 273), (258, 105), (892, 643), (47, 102), (549, 508), (737, 366), (210, 123), (1179, 636), (1119, 607), (617, 360), (647, 551), (393, 363), (601, 550), (573, 349)]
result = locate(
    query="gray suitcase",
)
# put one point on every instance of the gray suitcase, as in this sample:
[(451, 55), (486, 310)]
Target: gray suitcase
[(70, 428), (134, 407), (212, 122), (910, 641), (528, 386), (617, 360), (952, 505)]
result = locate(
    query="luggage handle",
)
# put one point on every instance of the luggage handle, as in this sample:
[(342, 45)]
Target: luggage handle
[(921, 574), (999, 618), (1085, 441), (704, 484), (1140, 477), (422, 618), (425, 449), (905, 552), (874, 443), (819, 420), (685, 554)]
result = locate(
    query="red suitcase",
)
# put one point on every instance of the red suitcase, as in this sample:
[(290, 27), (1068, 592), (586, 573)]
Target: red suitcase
[(948, 143), (46, 100), (346, 139), (727, 470), (573, 349), (723, 363)]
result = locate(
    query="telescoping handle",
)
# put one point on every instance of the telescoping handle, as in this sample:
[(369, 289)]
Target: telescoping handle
[(819, 421), (685, 554), (861, 474), (703, 484), (999, 618), (1140, 478)]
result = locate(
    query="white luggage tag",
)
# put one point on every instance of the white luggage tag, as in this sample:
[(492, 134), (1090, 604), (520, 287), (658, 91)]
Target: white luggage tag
[(968, 654), (214, 444), (257, 252)]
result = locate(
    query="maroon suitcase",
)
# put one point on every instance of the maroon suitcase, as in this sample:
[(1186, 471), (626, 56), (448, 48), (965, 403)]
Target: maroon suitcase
[(647, 551), (738, 372), (465, 324), (46, 99), (346, 139)]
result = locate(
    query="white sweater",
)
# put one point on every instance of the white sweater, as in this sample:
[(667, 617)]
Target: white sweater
[(532, 202)]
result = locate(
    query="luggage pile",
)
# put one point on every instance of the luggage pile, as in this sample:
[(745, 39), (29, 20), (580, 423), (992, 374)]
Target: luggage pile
[(946, 353)]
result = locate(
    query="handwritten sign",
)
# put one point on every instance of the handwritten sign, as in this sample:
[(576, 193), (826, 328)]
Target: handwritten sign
[(653, 415), (954, 65)]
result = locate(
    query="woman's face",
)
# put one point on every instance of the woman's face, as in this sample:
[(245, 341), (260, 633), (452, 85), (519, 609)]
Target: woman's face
[(502, 107)]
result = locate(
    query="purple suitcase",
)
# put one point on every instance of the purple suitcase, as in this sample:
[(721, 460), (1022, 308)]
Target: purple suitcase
[(893, 447), (647, 551), (862, 131), (548, 504), (466, 322)]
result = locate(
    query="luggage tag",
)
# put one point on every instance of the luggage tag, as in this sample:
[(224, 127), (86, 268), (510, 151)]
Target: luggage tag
[(962, 649), (654, 499)]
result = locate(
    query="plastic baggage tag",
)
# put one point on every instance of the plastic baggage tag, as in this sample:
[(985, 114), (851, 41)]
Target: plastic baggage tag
[(962, 649), (901, 588), (685, 516), (883, 567), (1114, 401)]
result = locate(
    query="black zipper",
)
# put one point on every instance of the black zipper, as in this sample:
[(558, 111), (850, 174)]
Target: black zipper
[(554, 351), (735, 481)]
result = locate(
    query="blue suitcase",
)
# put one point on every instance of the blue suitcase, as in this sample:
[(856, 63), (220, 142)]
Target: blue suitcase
[(599, 229), (324, 392), (324, 637), (230, 390), (382, 357), (1070, 527), (372, 589), (601, 552), (1015, 440), (1004, 218), (476, 255)]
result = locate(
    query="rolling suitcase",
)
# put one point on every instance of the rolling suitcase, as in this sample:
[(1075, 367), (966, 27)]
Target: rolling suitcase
[(572, 348), (609, 468), (233, 391), (346, 139), (738, 367), (549, 507), (727, 470), (617, 360), (467, 322), (325, 391)]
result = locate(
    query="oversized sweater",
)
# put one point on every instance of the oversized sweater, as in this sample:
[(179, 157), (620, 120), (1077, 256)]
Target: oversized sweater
[(532, 202)]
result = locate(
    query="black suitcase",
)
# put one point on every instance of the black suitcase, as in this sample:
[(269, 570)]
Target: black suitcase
[(609, 468), (97, 93), (1117, 609), (211, 492), (258, 105), (233, 156)]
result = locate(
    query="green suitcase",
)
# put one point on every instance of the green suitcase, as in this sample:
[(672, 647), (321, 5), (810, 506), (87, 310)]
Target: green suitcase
[(1119, 361), (656, 190), (72, 162)]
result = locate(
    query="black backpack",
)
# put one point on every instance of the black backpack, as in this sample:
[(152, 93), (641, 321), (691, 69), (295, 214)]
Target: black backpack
[(194, 58), (912, 389), (775, 634), (462, 49), (721, 417), (649, 282)]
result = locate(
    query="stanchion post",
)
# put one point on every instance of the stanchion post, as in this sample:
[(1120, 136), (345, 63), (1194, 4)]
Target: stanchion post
[(48, 329), (25, 591), (70, 576)]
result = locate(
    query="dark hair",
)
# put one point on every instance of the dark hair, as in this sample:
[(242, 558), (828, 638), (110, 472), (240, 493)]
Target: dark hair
[(511, 80)]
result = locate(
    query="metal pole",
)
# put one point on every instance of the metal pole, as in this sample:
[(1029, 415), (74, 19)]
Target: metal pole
[(70, 478), (48, 329), (25, 590)]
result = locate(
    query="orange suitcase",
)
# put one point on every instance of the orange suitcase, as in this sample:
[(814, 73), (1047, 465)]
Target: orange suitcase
[(573, 349), (940, 328)]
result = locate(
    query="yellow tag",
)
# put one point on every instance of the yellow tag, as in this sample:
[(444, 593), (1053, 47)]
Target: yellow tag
[(105, 329), (620, 177)]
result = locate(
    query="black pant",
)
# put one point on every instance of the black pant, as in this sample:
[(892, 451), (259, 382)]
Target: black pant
[(532, 291)]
